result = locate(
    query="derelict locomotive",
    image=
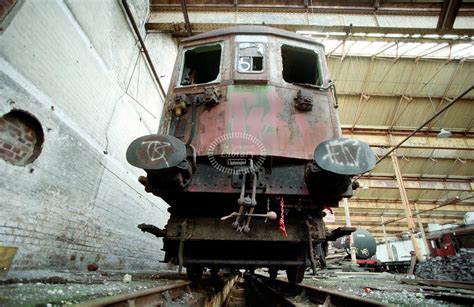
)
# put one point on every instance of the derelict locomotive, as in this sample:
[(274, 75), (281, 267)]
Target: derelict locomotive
[(249, 152)]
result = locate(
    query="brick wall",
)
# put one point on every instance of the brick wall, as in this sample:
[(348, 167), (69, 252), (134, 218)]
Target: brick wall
[(71, 64), (20, 143)]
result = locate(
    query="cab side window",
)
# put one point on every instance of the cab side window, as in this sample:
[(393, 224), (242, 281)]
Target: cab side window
[(201, 64), (300, 65)]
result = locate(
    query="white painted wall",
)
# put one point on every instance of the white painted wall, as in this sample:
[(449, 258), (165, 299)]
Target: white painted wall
[(164, 50), (403, 249), (75, 65)]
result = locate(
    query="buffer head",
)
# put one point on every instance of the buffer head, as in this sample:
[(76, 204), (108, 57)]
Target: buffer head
[(156, 151), (345, 156)]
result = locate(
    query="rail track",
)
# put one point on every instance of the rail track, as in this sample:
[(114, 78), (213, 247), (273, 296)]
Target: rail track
[(258, 290), (248, 290), (210, 291), (158, 296)]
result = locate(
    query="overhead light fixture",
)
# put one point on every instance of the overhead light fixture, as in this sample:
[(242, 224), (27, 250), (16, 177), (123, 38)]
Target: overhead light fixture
[(451, 200), (444, 133)]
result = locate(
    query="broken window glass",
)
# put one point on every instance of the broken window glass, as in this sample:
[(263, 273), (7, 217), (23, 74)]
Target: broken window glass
[(250, 57), (201, 64), (300, 65)]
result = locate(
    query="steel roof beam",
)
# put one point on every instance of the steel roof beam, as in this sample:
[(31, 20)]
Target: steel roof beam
[(173, 21), (448, 14), (425, 218), (417, 158), (397, 211), (381, 138), (367, 36), (390, 228), (341, 7), (400, 226), (376, 220), (386, 203), (187, 24), (389, 38), (391, 95), (385, 130), (387, 182), (396, 207)]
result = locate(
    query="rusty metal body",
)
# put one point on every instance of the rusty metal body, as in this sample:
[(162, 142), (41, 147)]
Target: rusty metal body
[(250, 105)]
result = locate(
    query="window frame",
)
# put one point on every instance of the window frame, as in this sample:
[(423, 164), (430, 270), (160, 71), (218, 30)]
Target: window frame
[(218, 79), (319, 64), (237, 57)]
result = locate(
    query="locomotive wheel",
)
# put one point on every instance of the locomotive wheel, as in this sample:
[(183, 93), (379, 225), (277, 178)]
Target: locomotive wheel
[(321, 252), (194, 272), (273, 272), (295, 274), (214, 273)]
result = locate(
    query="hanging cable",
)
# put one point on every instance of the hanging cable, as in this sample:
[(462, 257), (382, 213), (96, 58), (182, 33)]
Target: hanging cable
[(143, 47)]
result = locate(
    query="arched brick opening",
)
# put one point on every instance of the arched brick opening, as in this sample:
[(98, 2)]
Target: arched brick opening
[(21, 137)]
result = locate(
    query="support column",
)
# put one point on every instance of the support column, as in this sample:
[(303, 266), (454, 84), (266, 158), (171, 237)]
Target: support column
[(389, 250), (349, 224), (406, 205), (423, 234)]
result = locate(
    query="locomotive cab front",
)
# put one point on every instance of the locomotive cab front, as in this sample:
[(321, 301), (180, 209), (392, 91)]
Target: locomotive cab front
[(249, 152)]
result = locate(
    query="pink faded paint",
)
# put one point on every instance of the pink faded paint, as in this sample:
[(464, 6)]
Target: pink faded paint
[(283, 130)]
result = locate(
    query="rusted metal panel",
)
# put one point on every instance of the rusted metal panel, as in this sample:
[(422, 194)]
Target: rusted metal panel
[(214, 229), (285, 180), (267, 113)]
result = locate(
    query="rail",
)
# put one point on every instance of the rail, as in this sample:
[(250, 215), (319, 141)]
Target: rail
[(253, 290), (275, 292), (150, 297)]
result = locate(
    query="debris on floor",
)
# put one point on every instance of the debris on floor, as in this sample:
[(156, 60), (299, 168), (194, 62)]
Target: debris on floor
[(74, 287), (127, 278), (388, 288), (459, 267)]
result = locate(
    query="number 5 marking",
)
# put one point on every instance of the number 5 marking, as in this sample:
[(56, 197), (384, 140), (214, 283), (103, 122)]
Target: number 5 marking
[(244, 63)]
